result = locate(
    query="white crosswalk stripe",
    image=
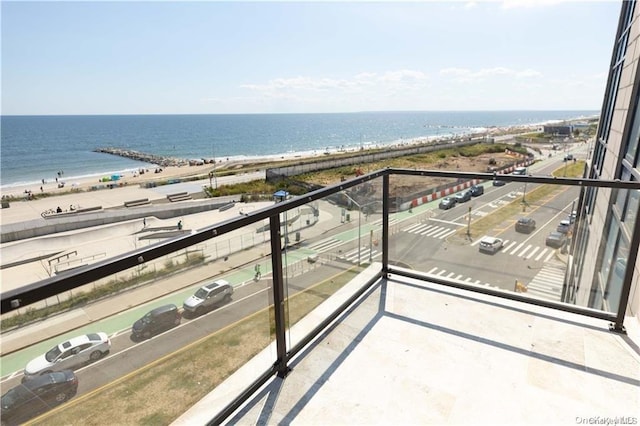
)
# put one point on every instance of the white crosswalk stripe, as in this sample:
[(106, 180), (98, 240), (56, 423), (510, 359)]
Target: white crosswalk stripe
[(430, 230), (365, 255), (325, 245), (378, 222), (443, 273), (547, 284)]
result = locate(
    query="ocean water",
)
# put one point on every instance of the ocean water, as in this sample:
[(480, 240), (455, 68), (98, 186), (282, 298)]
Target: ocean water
[(33, 148)]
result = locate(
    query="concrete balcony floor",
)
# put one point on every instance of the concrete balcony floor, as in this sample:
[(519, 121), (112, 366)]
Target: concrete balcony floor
[(412, 352)]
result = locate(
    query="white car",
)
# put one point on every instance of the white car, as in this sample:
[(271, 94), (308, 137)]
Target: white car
[(208, 297), (490, 245), (76, 351)]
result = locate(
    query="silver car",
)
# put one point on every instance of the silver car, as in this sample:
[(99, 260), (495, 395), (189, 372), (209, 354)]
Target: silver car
[(74, 352), (209, 296)]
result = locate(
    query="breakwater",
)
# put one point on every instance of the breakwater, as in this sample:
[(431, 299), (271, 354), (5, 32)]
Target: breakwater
[(147, 158)]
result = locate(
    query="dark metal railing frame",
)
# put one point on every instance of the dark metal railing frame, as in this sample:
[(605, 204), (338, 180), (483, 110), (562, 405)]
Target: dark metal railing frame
[(14, 299)]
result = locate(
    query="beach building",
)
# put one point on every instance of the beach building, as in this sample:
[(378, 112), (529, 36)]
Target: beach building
[(558, 129)]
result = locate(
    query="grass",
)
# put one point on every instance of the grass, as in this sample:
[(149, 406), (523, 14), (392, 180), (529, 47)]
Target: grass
[(165, 389)]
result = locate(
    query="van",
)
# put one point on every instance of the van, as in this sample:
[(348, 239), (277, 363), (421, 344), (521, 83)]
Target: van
[(157, 320), (520, 171)]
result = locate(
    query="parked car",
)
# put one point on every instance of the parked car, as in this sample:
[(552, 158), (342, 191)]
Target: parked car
[(447, 203), (556, 239), (71, 353), (156, 321), (568, 157), (209, 296), (525, 225), (461, 197), (564, 226), (34, 397), (490, 245), (498, 182), (476, 190)]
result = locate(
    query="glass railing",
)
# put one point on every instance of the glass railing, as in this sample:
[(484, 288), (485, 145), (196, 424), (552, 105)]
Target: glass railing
[(186, 306)]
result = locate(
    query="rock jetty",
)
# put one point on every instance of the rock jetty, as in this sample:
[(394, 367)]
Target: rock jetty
[(147, 158)]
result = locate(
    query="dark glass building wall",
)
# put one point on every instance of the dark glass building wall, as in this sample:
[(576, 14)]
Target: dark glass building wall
[(621, 207)]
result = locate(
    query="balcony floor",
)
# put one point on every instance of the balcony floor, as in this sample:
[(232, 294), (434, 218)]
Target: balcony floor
[(412, 352)]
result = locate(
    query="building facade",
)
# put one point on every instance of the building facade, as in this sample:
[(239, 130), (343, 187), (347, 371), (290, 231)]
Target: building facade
[(604, 253)]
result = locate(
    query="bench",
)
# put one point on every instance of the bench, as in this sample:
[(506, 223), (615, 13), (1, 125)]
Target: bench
[(179, 196), (135, 203)]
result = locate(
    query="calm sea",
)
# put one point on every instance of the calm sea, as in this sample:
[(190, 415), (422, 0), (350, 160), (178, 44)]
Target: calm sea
[(38, 147)]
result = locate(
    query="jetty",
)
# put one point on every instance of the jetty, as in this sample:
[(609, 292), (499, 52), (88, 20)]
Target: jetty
[(147, 158)]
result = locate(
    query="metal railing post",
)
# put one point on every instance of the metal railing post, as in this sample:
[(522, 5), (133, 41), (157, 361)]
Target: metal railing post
[(278, 296), (385, 224)]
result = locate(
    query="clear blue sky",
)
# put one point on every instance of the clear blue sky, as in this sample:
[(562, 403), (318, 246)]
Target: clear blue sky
[(276, 57)]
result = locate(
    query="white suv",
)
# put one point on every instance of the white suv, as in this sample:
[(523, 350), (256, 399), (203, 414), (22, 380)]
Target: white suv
[(208, 296), (490, 245)]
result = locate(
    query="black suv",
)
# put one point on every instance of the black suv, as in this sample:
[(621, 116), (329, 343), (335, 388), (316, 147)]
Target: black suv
[(156, 320), (35, 396), (476, 190), (525, 225)]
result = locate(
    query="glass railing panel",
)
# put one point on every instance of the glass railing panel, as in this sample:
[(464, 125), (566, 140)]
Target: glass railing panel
[(177, 327), (330, 242), (523, 237)]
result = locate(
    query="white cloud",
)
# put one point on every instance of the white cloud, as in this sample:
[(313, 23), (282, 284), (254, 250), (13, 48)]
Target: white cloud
[(514, 4), (467, 75)]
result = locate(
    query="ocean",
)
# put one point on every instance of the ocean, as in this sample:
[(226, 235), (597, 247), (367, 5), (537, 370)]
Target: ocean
[(45, 147)]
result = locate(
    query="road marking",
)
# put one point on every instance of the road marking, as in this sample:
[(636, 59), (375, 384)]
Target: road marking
[(443, 232), (442, 272), (539, 256), (480, 213), (426, 230), (451, 274), (510, 245), (458, 277), (535, 249), (453, 231), (447, 221), (478, 240), (468, 279), (522, 253), (432, 270), (517, 248), (433, 231), (548, 258)]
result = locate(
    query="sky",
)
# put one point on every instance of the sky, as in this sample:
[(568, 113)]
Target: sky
[(208, 57)]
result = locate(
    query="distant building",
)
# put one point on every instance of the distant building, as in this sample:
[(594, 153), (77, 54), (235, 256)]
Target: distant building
[(558, 130)]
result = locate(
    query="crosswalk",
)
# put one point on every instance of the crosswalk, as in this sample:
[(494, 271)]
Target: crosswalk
[(443, 273), (365, 255), (326, 245), (525, 251), (547, 284), (430, 230)]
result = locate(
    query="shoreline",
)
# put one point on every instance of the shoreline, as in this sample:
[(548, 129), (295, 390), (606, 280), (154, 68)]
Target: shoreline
[(133, 176)]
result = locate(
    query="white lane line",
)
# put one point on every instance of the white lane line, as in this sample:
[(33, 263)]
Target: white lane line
[(468, 279), (442, 272), (432, 270), (548, 258), (458, 277), (451, 274), (440, 235), (478, 240), (433, 231), (426, 230), (448, 222)]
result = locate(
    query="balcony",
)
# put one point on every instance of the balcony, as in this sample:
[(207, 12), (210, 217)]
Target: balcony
[(362, 302)]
